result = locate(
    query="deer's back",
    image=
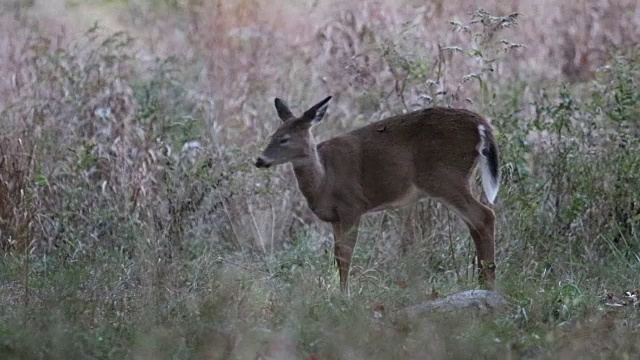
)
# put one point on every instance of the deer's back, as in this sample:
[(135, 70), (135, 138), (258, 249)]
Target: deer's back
[(392, 156), (433, 133)]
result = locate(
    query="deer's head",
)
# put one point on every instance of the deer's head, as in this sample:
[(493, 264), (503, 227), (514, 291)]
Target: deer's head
[(292, 141)]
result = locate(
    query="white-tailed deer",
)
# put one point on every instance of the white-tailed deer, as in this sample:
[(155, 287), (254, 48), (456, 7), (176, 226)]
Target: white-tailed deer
[(388, 164)]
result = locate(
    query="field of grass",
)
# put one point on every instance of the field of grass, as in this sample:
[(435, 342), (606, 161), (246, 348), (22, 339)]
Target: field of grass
[(134, 225)]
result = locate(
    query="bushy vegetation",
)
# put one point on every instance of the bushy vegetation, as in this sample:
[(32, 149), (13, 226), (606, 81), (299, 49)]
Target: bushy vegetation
[(133, 224)]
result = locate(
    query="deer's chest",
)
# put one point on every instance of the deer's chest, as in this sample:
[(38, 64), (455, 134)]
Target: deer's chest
[(325, 211)]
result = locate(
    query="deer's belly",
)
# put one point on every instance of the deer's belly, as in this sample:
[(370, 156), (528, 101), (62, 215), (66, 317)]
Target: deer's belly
[(410, 196)]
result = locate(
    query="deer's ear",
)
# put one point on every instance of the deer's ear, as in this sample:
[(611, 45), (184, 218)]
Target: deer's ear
[(283, 110), (317, 111)]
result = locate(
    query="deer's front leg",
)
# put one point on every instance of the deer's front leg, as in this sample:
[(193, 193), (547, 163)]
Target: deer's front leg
[(345, 235)]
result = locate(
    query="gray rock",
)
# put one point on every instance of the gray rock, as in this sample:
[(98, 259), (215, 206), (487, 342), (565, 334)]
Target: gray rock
[(482, 300)]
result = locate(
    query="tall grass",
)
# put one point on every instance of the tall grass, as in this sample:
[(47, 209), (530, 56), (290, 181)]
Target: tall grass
[(133, 225)]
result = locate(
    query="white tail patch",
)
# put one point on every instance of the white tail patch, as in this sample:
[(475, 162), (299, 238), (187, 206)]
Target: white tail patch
[(489, 182)]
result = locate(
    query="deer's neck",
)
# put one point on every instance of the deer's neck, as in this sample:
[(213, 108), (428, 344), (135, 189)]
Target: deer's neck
[(310, 175)]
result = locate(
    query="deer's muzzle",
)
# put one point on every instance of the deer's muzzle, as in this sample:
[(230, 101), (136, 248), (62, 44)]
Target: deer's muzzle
[(262, 163)]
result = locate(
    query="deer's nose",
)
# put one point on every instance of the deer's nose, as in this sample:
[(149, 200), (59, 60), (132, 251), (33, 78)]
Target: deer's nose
[(262, 163)]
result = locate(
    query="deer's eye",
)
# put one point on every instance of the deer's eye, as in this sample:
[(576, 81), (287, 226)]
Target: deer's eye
[(284, 140)]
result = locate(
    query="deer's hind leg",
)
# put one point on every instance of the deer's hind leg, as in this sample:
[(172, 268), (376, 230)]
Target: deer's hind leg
[(480, 220)]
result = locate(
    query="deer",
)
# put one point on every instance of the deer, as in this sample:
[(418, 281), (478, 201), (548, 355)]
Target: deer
[(432, 152)]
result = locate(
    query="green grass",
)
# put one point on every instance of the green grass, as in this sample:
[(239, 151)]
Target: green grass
[(111, 307)]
